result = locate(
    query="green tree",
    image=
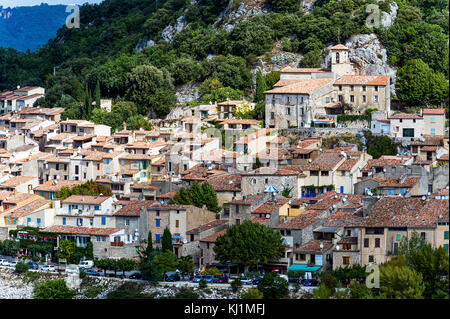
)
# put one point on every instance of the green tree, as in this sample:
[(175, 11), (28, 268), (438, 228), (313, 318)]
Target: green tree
[(273, 286), (167, 261), (53, 289), (125, 264), (21, 267), (97, 95), (77, 90), (323, 292), (249, 244), (166, 241), (400, 282), (151, 89), (186, 264), (261, 87), (210, 197), (66, 249)]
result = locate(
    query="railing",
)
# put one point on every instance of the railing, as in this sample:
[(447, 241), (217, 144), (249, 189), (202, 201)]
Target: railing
[(117, 243)]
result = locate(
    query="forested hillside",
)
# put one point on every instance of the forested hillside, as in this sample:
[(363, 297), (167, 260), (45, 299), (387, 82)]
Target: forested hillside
[(22, 28), (100, 58)]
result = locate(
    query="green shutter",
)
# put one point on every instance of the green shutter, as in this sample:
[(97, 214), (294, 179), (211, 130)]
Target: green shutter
[(399, 237), (446, 246), (446, 234)]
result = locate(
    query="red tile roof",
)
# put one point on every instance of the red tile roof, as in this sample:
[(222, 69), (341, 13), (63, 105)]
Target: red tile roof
[(301, 221), (76, 230), (211, 224), (363, 80), (226, 183), (133, 208), (433, 111), (314, 247)]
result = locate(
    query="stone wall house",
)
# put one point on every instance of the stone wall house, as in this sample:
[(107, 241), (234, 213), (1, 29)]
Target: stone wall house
[(227, 187), (238, 211), (403, 125), (48, 189), (434, 121)]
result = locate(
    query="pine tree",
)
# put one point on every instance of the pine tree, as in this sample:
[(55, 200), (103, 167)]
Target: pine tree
[(97, 95), (261, 86), (166, 241), (197, 195), (210, 197), (149, 249)]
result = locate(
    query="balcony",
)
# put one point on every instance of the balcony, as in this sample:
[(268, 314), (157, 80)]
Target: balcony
[(117, 244)]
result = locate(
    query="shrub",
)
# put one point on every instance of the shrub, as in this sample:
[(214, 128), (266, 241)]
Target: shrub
[(31, 276), (53, 289), (128, 290), (253, 293), (273, 286), (186, 293), (322, 292), (328, 280), (21, 267), (236, 285), (202, 284)]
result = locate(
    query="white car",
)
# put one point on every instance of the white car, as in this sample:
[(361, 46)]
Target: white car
[(4, 262), (49, 268), (13, 263), (87, 264)]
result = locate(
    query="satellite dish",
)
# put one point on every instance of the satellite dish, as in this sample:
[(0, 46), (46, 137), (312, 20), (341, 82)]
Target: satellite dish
[(337, 247), (321, 245), (184, 241), (267, 215), (424, 197)]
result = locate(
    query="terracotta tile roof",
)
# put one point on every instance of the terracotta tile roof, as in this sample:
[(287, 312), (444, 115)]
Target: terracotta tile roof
[(269, 207), (50, 186), (284, 83), (248, 200), (4, 194), (167, 195), (363, 80), (145, 186), (226, 183), (232, 102), (194, 176), (191, 120), (301, 221), (113, 154), (209, 225), (339, 47), (94, 156), (407, 182), (85, 199), (133, 208), (428, 148), (430, 140), (138, 157), (213, 238), (343, 219), (406, 116), (27, 209), (314, 247), (301, 87), (348, 164), (325, 161), (84, 137), (386, 160), (158, 206), (76, 230), (305, 143), (433, 111), (17, 180)]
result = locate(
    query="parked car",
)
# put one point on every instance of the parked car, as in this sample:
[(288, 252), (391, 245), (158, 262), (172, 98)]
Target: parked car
[(71, 270), (256, 280), (197, 278), (209, 278), (284, 277), (246, 281), (91, 272), (49, 268), (310, 282), (173, 277), (220, 280), (13, 263), (135, 275), (32, 265), (86, 264), (4, 262)]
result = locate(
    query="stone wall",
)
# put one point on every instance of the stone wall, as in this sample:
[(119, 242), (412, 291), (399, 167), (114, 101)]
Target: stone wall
[(312, 132)]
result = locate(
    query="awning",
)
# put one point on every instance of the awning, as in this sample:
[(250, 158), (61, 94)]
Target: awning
[(299, 267)]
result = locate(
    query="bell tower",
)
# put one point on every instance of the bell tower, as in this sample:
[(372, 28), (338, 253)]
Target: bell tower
[(340, 63)]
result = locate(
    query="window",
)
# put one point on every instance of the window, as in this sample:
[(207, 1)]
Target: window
[(266, 181), (254, 181), (342, 173), (371, 258), (103, 220), (352, 98), (346, 260), (127, 222), (288, 111), (177, 223), (364, 88), (432, 119), (377, 242), (158, 222), (98, 238), (272, 115), (103, 238), (408, 132), (327, 99), (324, 173), (157, 238), (314, 173), (157, 213), (340, 87), (433, 131), (91, 222), (238, 221), (366, 242), (446, 247), (96, 207), (375, 98), (446, 234), (64, 221), (302, 256), (393, 169), (376, 88), (351, 87), (364, 98)]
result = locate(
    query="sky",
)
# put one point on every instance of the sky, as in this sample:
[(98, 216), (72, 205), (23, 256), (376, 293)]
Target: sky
[(17, 3)]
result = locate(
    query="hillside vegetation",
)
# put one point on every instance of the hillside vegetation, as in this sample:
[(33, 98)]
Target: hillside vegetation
[(101, 55)]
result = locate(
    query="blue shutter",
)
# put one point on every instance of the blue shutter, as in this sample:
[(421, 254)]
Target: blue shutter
[(64, 220), (103, 220), (39, 222), (157, 237), (391, 191), (342, 189), (158, 222)]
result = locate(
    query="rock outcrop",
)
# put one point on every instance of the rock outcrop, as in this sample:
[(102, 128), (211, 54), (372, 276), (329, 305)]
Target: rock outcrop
[(234, 13)]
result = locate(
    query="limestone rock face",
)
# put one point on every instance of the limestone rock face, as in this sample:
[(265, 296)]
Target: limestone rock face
[(188, 92), (169, 32), (143, 43), (387, 19), (235, 13)]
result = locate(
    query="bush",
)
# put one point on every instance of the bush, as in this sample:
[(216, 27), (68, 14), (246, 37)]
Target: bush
[(253, 293), (202, 284), (21, 267), (328, 280), (236, 285), (93, 291), (31, 276), (186, 293), (128, 290), (273, 286), (322, 292), (53, 289)]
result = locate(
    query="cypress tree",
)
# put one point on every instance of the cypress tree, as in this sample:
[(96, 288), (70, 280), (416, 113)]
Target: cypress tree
[(210, 197), (197, 195), (260, 86), (166, 241), (97, 95)]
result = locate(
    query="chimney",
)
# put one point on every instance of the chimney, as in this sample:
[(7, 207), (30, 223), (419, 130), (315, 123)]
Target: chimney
[(200, 228), (124, 126)]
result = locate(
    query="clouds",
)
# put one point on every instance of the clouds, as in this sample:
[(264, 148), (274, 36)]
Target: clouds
[(17, 3)]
